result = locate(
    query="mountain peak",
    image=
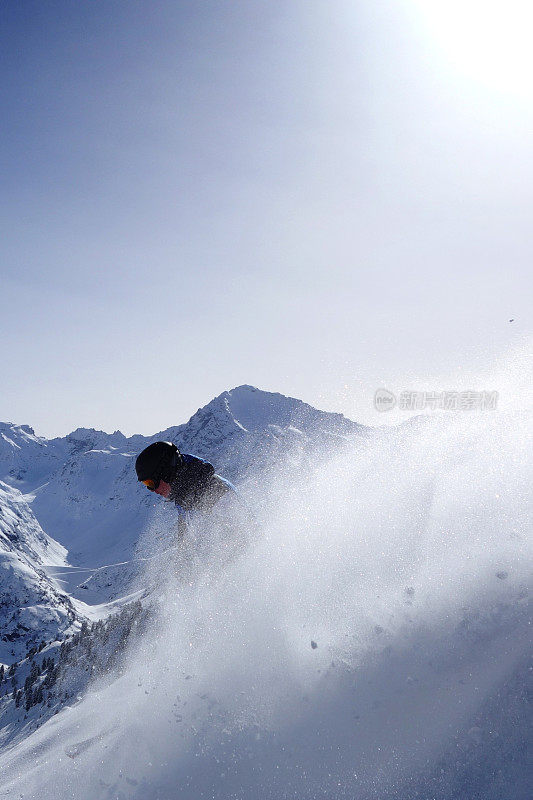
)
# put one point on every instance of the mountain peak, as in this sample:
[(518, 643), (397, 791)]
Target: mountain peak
[(14, 432), (253, 409), (245, 387), (80, 432), (92, 433), (12, 426)]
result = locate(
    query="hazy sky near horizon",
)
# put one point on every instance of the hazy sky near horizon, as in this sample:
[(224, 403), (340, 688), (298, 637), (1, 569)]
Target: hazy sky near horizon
[(314, 197)]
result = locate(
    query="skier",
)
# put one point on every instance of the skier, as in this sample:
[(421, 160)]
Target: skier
[(197, 491), (187, 480)]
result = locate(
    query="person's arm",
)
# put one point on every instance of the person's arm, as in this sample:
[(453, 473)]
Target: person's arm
[(182, 521)]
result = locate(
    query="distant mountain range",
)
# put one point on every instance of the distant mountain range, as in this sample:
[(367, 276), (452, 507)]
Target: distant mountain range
[(72, 511)]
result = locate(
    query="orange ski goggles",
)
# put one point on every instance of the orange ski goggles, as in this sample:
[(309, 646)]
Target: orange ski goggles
[(150, 484)]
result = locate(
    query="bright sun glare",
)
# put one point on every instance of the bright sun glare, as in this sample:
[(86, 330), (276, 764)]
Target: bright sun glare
[(487, 40)]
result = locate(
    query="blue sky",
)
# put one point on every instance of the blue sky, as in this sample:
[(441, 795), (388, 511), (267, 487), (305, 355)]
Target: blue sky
[(317, 198)]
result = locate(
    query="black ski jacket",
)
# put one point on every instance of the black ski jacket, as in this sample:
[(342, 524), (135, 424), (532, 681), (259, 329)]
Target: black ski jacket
[(196, 485)]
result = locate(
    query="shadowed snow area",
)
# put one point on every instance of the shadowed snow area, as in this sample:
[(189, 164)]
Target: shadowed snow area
[(369, 641)]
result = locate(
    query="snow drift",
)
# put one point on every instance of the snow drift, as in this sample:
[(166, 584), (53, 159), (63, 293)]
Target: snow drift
[(370, 641)]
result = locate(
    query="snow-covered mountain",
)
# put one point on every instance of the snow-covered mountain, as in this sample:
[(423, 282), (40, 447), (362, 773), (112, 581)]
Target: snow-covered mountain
[(32, 608), (245, 429), (82, 487), (72, 511)]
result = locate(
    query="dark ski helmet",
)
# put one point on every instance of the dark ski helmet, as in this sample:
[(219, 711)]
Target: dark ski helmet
[(158, 461)]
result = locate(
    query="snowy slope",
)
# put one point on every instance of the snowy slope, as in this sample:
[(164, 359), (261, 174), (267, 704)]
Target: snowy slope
[(52, 675), (73, 484), (372, 642), (93, 505), (31, 606), (26, 460)]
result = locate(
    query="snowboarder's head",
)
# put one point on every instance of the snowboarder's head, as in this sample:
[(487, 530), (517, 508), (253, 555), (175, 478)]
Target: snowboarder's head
[(157, 465)]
